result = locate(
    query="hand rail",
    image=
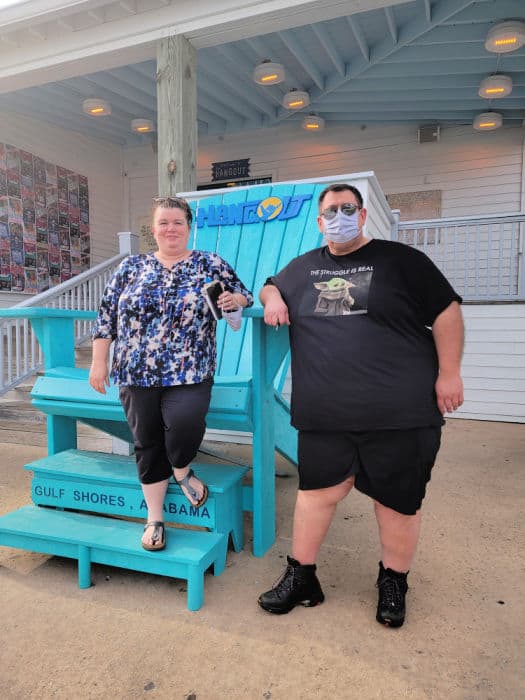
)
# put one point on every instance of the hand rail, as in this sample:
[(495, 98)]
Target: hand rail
[(21, 355)]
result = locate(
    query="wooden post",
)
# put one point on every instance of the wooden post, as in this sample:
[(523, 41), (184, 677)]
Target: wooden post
[(176, 115)]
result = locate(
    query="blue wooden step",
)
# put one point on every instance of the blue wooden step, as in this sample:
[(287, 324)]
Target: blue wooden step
[(95, 539), (106, 483)]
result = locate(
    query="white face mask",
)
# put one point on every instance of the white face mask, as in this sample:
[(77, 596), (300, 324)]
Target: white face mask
[(342, 228)]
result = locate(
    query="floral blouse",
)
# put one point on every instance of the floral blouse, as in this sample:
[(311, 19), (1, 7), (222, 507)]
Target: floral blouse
[(163, 330)]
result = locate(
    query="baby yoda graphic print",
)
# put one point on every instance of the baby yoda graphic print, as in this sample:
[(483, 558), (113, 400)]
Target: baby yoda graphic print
[(338, 292), (334, 298)]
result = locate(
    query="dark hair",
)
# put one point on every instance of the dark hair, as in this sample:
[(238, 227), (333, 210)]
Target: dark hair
[(173, 203), (341, 187)]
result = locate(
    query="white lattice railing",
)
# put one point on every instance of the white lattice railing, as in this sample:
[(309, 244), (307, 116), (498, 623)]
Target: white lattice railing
[(482, 257), (20, 353)]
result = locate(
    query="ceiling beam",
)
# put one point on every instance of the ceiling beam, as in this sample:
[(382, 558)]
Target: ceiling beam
[(211, 119), (410, 105), (112, 84), (442, 52), (484, 11), (292, 43), (408, 33), (429, 69), (148, 69), (358, 34), (454, 34), (235, 57), (129, 77), (326, 42), (116, 123), (217, 74), (211, 105), (445, 82), (14, 103), (223, 96), (391, 22), (395, 117), (84, 88)]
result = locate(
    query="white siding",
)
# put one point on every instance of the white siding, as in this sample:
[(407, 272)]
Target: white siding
[(479, 173), (493, 366)]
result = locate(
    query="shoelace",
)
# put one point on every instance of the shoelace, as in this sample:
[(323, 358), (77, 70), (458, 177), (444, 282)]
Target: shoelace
[(285, 581), (391, 593)]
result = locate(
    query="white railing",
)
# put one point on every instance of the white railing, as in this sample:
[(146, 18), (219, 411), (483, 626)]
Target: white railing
[(482, 257), (20, 353)]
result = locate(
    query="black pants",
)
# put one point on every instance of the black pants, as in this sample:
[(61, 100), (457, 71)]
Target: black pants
[(167, 424)]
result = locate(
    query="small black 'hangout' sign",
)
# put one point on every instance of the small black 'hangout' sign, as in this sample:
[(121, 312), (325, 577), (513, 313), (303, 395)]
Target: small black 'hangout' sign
[(229, 169)]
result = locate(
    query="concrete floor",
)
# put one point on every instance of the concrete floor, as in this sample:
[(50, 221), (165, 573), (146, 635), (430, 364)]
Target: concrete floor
[(131, 636)]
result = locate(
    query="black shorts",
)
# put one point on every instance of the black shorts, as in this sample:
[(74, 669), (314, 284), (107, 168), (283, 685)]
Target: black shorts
[(167, 424), (391, 466)]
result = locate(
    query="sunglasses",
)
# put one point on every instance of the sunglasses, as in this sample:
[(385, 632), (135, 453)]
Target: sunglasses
[(169, 200), (331, 212)]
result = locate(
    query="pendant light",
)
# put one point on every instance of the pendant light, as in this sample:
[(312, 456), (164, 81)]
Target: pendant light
[(269, 73), (296, 99), (313, 123), (96, 107), (488, 121), (494, 87)]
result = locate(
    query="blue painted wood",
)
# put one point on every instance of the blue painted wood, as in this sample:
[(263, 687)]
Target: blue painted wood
[(65, 396), (243, 397), (54, 330), (106, 483), (94, 539)]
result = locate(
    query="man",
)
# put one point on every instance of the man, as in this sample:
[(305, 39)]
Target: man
[(376, 336)]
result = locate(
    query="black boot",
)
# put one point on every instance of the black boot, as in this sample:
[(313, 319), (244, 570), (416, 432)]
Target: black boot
[(392, 590), (297, 586)]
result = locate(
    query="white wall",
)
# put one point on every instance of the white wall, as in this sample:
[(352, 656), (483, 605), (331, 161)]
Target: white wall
[(478, 173), (99, 161), (493, 366)]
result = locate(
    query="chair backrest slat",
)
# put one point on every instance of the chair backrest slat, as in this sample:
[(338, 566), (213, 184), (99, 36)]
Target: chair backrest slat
[(281, 226)]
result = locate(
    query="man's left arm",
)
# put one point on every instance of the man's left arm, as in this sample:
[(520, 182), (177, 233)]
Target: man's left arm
[(448, 333)]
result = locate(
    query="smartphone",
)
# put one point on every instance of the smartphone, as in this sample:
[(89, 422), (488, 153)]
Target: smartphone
[(212, 292)]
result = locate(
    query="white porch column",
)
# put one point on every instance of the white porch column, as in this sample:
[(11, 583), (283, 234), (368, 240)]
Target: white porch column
[(177, 115)]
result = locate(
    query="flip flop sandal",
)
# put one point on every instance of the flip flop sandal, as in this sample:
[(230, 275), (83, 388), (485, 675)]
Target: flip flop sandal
[(190, 492), (158, 536)]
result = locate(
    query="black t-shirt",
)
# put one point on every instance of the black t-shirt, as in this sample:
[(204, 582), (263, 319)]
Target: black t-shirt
[(363, 354)]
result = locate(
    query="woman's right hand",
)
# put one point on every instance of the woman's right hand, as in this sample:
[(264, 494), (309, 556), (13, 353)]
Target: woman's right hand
[(99, 376)]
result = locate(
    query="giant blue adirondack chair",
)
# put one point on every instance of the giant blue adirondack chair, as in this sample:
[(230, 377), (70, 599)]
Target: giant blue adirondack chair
[(258, 230), (247, 395)]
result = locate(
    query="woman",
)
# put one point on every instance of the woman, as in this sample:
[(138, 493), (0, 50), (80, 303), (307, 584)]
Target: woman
[(164, 355)]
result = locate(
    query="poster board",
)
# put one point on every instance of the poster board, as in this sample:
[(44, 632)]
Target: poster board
[(44, 222)]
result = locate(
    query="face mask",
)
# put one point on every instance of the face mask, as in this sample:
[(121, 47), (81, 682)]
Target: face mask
[(342, 228)]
